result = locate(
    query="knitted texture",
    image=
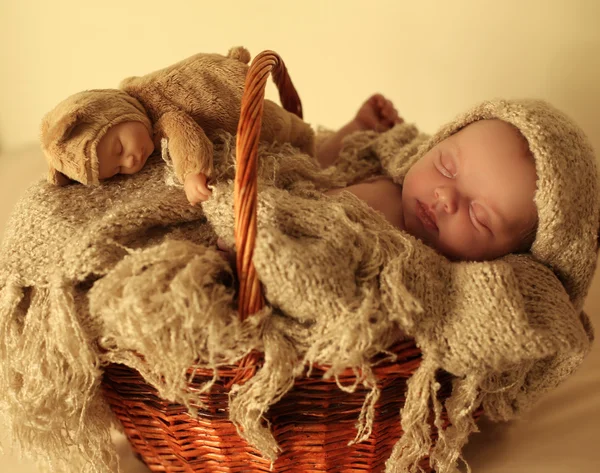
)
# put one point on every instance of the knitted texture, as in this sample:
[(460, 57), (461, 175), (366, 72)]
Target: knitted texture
[(567, 186), (122, 273), (188, 103)]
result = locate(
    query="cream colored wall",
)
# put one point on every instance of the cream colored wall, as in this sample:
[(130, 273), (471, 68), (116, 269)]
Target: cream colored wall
[(432, 57)]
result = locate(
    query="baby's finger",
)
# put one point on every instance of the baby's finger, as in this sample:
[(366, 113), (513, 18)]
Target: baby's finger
[(389, 110), (379, 101), (370, 102), (376, 98), (395, 118), (387, 124)]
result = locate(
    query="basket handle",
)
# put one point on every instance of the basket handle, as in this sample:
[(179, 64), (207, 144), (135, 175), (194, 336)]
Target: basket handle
[(250, 298)]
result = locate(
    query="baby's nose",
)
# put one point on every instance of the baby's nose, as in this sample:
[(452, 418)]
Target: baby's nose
[(446, 196)]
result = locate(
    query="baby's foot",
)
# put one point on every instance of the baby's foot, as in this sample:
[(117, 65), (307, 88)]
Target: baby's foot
[(378, 114), (196, 188)]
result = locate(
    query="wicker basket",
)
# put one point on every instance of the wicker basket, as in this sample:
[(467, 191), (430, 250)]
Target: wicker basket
[(315, 421)]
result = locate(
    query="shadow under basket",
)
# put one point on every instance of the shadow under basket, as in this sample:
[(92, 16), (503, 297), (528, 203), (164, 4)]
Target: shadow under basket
[(315, 422)]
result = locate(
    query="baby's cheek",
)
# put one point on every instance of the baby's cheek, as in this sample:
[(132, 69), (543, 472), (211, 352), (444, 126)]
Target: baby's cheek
[(458, 242)]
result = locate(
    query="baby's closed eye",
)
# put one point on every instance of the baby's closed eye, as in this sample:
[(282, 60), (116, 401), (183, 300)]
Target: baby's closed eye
[(446, 166), (479, 217)]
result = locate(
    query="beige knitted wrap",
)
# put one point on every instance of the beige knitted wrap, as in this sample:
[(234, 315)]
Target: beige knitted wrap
[(96, 276)]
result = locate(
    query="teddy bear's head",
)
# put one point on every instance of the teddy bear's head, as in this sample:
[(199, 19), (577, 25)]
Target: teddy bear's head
[(71, 131)]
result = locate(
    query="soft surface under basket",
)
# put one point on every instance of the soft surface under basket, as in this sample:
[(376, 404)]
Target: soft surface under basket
[(315, 421)]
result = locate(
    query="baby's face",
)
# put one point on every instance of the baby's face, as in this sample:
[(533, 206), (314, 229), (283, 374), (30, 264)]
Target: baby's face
[(471, 196), (124, 149)]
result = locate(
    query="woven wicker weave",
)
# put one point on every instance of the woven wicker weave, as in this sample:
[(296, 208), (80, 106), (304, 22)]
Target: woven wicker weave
[(316, 420)]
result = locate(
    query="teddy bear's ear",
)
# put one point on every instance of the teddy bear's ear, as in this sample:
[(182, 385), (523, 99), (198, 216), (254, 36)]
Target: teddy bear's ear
[(240, 53), (57, 178), (61, 129), (128, 82)]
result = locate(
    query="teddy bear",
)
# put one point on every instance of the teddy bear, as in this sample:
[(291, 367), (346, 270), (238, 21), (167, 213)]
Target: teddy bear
[(96, 134)]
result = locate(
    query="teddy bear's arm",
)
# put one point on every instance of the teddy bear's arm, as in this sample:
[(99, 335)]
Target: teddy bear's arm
[(189, 147)]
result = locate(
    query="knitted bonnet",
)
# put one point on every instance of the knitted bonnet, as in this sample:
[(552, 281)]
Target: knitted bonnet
[(71, 131), (566, 198)]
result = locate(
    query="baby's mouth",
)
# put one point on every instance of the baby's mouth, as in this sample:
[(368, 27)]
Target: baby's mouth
[(426, 217)]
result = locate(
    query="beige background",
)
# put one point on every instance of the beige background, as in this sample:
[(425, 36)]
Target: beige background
[(432, 58)]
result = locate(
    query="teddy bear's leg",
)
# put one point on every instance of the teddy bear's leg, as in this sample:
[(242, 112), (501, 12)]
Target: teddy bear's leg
[(285, 127)]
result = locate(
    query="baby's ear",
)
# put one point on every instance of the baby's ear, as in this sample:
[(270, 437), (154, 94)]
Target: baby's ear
[(57, 178)]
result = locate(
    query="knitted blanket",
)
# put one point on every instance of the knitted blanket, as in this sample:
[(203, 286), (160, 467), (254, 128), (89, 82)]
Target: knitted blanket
[(128, 273)]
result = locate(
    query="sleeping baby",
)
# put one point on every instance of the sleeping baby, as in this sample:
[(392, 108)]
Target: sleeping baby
[(471, 196)]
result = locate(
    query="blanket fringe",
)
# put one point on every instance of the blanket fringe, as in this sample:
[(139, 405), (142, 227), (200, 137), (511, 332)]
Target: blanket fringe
[(466, 397), (249, 402), (415, 443), (43, 341)]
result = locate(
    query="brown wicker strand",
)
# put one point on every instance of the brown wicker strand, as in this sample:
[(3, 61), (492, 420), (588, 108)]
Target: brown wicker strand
[(250, 298), (290, 100), (245, 193)]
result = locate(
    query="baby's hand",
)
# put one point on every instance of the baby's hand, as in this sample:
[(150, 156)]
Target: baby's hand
[(378, 114), (196, 188)]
